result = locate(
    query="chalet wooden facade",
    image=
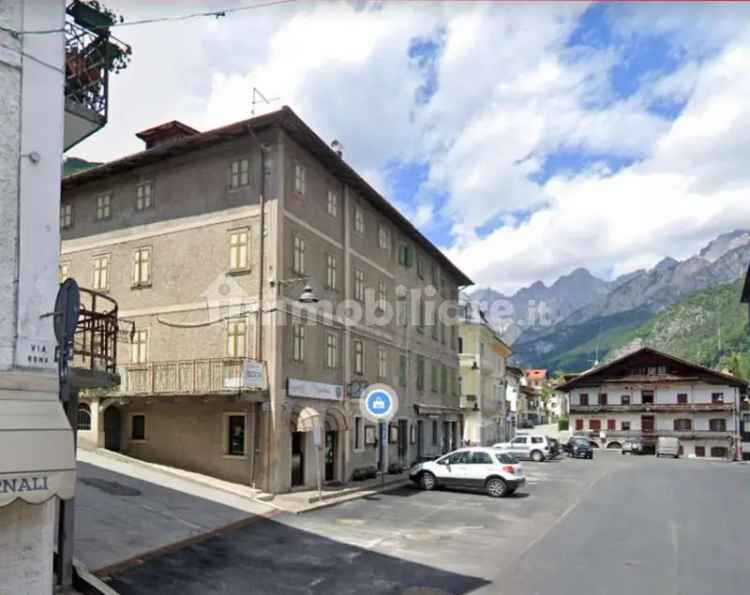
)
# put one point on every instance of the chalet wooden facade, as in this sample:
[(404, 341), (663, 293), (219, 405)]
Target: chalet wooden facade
[(647, 394)]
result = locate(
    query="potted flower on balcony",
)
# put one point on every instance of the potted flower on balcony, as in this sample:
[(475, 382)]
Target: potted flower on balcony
[(92, 14)]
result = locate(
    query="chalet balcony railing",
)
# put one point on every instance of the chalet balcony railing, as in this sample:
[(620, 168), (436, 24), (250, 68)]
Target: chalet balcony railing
[(652, 435), (653, 408), (183, 377)]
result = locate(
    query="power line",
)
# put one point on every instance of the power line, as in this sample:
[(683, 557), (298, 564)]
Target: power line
[(222, 12)]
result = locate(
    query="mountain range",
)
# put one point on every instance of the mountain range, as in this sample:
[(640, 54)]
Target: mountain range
[(574, 322)]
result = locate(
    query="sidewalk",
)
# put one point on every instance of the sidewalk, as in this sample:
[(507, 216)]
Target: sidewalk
[(307, 500)]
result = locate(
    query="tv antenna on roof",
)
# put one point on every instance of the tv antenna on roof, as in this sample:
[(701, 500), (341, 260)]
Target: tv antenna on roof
[(258, 97)]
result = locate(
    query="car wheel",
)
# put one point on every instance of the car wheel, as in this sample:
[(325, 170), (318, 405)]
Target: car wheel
[(537, 456), (590, 456), (427, 481), (496, 487)]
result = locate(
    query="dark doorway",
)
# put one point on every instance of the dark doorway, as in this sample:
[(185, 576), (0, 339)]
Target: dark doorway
[(330, 453), (403, 440), (420, 439), (112, 428), (298, 459), (446, 437)]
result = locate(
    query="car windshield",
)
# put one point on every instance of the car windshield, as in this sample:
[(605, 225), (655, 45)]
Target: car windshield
[(506, 459)]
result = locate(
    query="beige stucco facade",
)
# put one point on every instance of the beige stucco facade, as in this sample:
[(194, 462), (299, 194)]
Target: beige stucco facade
[(483, 357), (196, 320)]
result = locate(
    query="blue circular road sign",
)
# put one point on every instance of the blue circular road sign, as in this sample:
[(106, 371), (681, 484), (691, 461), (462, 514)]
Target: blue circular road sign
[(379, 402)]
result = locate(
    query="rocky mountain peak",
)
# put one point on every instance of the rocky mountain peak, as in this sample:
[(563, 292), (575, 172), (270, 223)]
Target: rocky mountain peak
[(724, 243)]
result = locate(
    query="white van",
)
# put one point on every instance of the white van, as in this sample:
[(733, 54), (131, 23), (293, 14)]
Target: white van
[(668, 447)]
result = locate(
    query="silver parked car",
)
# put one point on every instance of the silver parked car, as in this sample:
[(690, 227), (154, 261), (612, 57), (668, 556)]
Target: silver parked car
[(530, 446)]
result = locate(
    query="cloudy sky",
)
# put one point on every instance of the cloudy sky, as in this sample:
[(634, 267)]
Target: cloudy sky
[(524, 139)]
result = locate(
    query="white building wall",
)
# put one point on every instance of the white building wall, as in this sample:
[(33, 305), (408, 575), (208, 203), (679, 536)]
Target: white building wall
[(31, 113)]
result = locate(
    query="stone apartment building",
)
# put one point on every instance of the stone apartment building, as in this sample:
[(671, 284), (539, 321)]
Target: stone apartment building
[(483, 356), (647, 394), (200, 237)]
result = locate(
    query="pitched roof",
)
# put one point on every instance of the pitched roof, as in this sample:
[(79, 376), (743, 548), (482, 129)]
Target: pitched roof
[(296, 128), (746, 289), (647, 354), (536, 374)]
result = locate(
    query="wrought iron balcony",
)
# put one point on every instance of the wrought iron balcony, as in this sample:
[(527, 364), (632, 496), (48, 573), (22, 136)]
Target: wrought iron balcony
[(183, 377), (91, 53)]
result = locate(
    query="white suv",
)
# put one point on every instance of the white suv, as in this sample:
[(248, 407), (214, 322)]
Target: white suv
[(527, 446), (497, 473)]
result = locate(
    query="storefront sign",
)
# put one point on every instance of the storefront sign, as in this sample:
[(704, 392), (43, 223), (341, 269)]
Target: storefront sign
[(36, 487), (314, 390), (254, 375)]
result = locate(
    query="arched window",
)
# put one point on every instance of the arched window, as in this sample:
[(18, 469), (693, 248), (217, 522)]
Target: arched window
[(84, 417)]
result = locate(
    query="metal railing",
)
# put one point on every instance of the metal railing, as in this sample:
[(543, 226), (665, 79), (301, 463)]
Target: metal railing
[(95, 339), (183, 377), (653, 408)]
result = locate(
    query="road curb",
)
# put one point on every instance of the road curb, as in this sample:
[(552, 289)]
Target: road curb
[(333, 501), (87, 583)]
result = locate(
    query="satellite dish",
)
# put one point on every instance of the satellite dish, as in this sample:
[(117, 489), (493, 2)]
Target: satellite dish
[(67, 309)]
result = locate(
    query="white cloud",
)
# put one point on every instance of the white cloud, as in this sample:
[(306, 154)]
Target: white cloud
[(509, 92)]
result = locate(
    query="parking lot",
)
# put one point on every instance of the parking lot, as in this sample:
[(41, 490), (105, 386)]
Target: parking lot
[(612, 525)]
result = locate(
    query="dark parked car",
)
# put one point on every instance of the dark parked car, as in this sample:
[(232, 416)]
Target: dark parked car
[(579, 448)]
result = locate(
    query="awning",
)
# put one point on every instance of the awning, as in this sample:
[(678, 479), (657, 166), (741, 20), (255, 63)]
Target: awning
[(438, 411), (37, 459)]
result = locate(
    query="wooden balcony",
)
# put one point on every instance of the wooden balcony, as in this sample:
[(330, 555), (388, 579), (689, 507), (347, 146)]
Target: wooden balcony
[(651, 436), (653, 408), (213, 376)]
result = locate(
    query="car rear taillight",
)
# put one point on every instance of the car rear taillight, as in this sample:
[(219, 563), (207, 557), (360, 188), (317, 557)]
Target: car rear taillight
[(509, 469)]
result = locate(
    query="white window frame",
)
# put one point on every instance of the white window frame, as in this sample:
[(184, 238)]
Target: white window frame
[(382, 363), (298, 255), (332, 350), (239, 173), (225, 435), (100, 272), (139, 346), (300, 178), (66, 216), (402, 313), (384, 238), (298, 342), (103, 207), (359, 220), (239, 250), (144, 196), (359, 432), (236, 334), (333, 203), (359, 357), (331, 270), (142, 267), (359, 284), (382, 299)]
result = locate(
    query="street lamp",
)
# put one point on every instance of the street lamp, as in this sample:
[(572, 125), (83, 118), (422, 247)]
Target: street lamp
[(306, 297)]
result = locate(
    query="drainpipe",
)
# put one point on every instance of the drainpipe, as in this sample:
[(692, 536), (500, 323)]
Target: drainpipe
[(259, 313)]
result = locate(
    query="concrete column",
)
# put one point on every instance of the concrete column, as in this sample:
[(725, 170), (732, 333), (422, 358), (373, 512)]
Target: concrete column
[(27, 536)]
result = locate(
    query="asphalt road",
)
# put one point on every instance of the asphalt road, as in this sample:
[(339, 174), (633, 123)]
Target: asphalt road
[(615, 525)]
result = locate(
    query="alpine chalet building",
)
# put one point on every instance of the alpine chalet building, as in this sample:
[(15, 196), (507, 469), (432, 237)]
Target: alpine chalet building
[(647, 394)]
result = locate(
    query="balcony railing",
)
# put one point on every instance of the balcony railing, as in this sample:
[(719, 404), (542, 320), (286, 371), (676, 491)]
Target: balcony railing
[(653, 408), (91, 53), (183, 377), (652, 435), (95, 339)]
